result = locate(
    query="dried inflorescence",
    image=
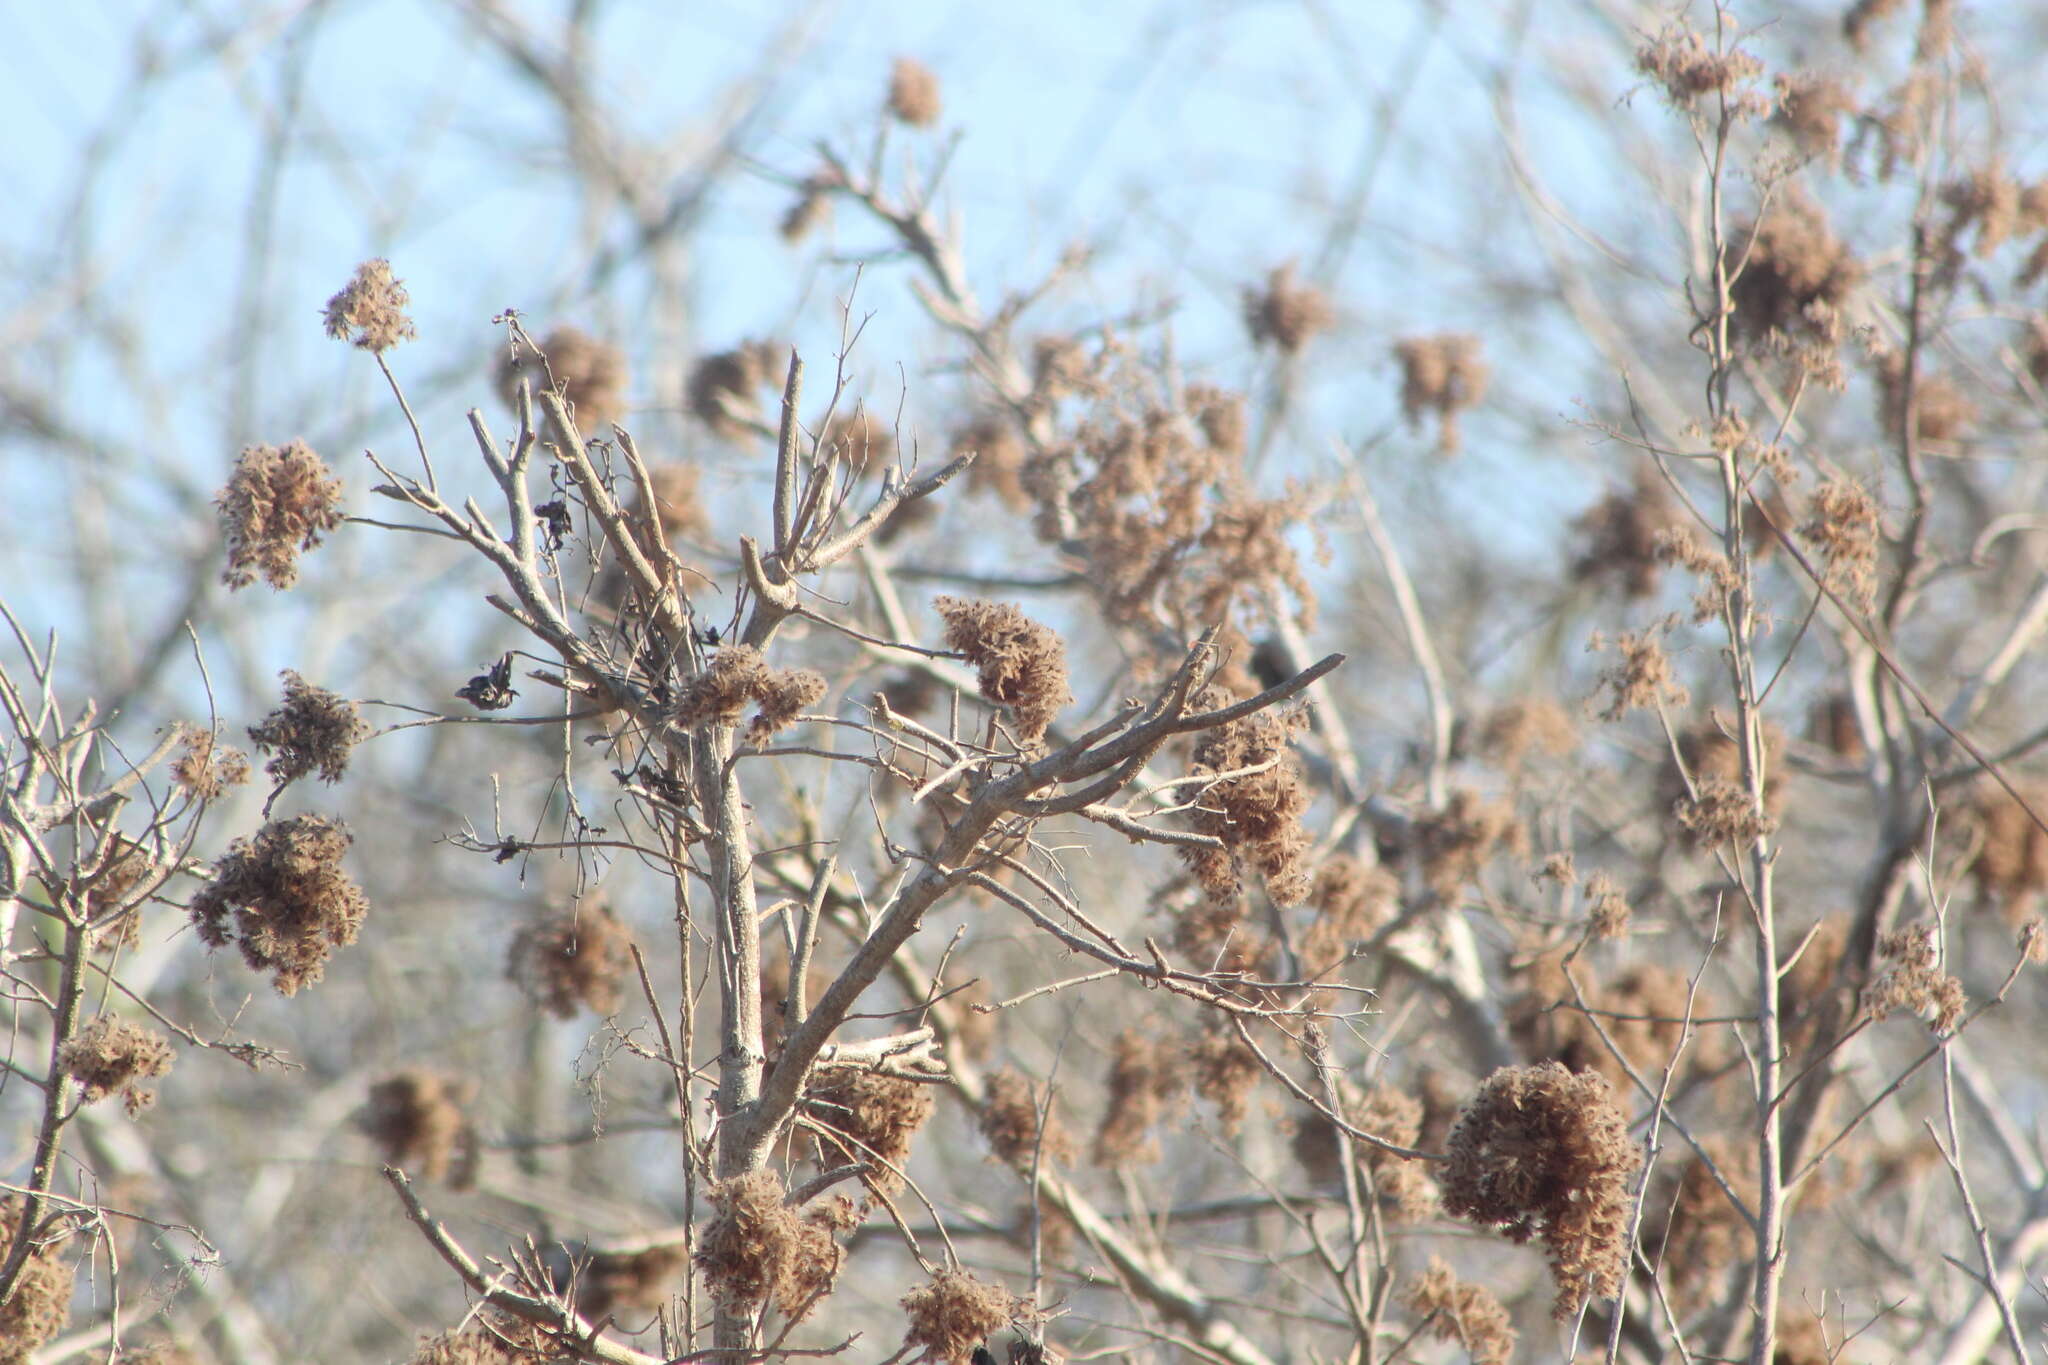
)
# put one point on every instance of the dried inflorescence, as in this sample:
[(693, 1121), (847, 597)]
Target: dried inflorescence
[(126, 875), (1941, 410), (867, 1117), (1680, 61), (1457, 1310), (1607, 910), (953, 1314), (1912, 979), (738, 676), (1541, 1152), (1010, 1122), (1000, 456), (277, 504), (371, 305), (2011, 866), (1145, 1075), (1717, 806), (290, 903), (205, 768), (1402, 1188), (1642, 1012), (1788, 275), (573, 959), (1352, 899), (109, 1057), (1256, 814), (1224, 1070), (913, 93), (1455, 843), (640, 1281), (1022, 664), (313, 731), (759, 1250), (1286, 312), (1695, 1233), (1810, 108), (1618, 537), (1512, 733), (1442, 374), (1842, 522), (1640, 678), (416, 1118), (590, 374), (492, 1337), (723, 390), (40, 1303)]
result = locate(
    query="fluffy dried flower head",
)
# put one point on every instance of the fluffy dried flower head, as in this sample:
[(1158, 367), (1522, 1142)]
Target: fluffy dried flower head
[(1640, 677), (1541, 1152), (865, 1116), (1789, 275), (572, 959), (371, 305), (205, 767), (1529, 726), (1842, 523), (1352, 900), (1681, 62), (1220, 415), (1941, 410), (1254, 806), (1224, 1070), (999, 459), (1466, 1313), (277, 504), (1607, 910), (284, 899), (1456, 843), (416, 1119), (738, 676), (1009, 1120), (1402, 1188), (1716, 807), (759, 1250), (638, 1281), (109, 1057), (953, 1314), (1022, 664), (1617, 537), (591, 374), (125, 876), (1144, 1075), (313, 731), (1701, 1233), (913, 93), (1912, 979), (1987, 200), (40, 1303), (723, 388), (1642, 1013), (1285, 312), (491, 1338), (1443, 374), (1810, 109)]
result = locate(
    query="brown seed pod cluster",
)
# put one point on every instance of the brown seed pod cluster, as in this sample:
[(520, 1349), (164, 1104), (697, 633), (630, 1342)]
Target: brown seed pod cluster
[(1458, 1310), (1145, 1077), (1442, 375), (1455, 844), (109, 1057), (1351, 899), (758, 1250), (1543, 1153), (416, 1119), (278, 503), (372, 306), (1285, 312), (739, 676), (205, 768), (954, 1313), (1789, 275), (913, 93), (283, 899), (1254, 805), (314, 731), (866, 1117), (724, 389), (1022, 664), (1010, 1122), (573, 959), (592, 375), (41, 1302)]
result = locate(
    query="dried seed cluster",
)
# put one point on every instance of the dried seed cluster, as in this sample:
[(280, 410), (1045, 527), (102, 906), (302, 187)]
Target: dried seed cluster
[(573, 959), (1010, 1122), (416, 1118), (739, 676), (1022, 664), (953, 1314), (1145, 1075), (109, 1057), (865, 1116), (1543, 1153), (372, 306), (1256, 814), (1463, 1312), (205, 768), (313, 731), (277, 504), (759, 1250), (41, 1302), (591, 374), (1442, 374), (283, 897)]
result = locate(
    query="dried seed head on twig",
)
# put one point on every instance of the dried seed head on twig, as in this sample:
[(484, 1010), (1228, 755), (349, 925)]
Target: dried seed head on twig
[(40, 1303), (954, 1313), (591, 374), (758, 1250), (371, 305), (416, 1118), (1285, 312), (1460, 1311), (1543, 1153), (314, 730), (283, 898), (109, 1057), (913, 93), (573, 959), (205, 767), (1022, 664), (278, 503), (1442, 374)]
